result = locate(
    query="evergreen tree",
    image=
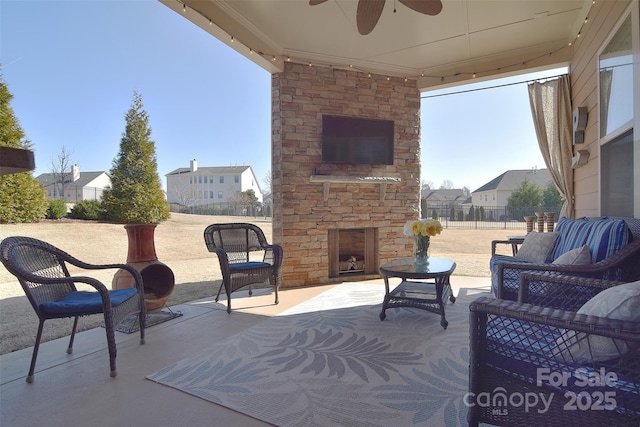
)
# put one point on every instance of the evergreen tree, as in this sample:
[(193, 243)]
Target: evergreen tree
[(136, 194), (551, 197), (22, 198), (525, 200)]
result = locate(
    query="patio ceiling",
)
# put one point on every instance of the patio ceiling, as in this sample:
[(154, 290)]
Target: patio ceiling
[(469, 39)]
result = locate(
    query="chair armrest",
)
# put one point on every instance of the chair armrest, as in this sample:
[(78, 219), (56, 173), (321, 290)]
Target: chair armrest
[(223, 259), (560, 291), (273, 254), (495, 243), (484, 308)]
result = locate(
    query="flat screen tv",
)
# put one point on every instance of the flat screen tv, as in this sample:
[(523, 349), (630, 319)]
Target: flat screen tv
[(357, 140)]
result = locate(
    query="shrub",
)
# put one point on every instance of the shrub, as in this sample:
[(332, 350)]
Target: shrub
[(57, 209), (88, 209)]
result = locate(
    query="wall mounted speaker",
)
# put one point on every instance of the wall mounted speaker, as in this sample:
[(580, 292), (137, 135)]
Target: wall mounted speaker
[(580, 159), (580, 116)]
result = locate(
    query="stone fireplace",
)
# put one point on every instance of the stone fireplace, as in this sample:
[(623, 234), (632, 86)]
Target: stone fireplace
[(325, 213)]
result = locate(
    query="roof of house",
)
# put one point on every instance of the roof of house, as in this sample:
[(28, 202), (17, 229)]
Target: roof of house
[(445, 195), (212, 170), (511, 180), (86, 178)]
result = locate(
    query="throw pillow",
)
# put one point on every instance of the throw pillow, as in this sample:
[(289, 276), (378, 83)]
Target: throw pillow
[(620, 302), (578, 256), (537, 247)]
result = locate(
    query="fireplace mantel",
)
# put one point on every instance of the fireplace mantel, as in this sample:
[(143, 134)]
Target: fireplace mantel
[(327, 180)]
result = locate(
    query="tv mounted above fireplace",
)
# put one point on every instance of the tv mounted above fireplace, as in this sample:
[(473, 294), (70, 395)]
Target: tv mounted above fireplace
[(356, 140)]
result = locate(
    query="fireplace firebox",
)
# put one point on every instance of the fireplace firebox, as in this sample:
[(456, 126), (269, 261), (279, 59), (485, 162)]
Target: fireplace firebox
[(353, 251)]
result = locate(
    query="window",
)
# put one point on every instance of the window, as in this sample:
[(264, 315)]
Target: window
[(220, 195), (211, 194), (617, 176), (619, 148), (200, 179), (236, 179), (211, 180), (221, 179)]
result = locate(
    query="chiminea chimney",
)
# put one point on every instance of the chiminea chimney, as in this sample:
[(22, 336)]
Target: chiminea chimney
[(194, 165), (75, 173)]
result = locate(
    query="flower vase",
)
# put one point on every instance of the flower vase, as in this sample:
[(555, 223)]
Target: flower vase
[(422, 249)]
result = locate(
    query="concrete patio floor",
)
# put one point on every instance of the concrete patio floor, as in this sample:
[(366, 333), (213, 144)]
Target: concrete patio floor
[(76, 390)]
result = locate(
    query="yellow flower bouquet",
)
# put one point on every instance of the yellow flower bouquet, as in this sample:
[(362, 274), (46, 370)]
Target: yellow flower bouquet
[(422, 230)]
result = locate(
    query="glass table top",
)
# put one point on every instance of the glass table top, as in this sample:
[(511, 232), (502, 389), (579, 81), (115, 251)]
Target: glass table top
[(406, 267)]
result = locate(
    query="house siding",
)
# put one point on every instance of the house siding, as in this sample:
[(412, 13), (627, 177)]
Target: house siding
[(603, 17)]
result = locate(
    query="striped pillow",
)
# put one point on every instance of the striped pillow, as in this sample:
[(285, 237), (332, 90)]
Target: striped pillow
[(603, 236)]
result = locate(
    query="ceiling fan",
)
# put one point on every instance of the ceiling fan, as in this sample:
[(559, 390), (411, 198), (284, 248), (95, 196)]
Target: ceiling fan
[(369, 11)]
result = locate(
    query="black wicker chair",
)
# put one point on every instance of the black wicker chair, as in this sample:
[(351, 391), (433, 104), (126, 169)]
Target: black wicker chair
[(521, 374), (43, 273), (624, 265), (245, 257)]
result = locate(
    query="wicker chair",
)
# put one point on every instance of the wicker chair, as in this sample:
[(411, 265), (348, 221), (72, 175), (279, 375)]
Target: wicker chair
[(43, 273), (518, 357), (624, 265), (245, 257)]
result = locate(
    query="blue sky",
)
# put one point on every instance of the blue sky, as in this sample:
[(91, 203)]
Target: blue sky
[(73, 66)]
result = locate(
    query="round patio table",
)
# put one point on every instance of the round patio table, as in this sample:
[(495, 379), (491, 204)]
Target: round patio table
[(424, 287)]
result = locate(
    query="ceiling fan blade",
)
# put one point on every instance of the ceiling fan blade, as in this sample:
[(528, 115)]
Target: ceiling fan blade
[(368, 14), (428, 7), (315, 2)]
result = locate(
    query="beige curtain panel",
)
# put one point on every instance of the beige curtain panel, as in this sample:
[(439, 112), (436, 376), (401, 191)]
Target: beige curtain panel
[(551, 108)]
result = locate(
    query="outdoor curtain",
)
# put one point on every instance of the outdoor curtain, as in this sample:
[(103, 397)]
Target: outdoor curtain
[(551, 108)]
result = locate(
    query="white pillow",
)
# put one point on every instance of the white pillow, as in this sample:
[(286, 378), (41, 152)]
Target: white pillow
[(577, 256), (537, 247), (620, 302)]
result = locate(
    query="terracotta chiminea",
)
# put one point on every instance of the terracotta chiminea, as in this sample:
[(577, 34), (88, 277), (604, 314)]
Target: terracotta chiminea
[(159, 280)]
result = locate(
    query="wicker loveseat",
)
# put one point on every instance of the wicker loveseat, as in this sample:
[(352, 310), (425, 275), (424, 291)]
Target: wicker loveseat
[(532, 365), (613, 243)]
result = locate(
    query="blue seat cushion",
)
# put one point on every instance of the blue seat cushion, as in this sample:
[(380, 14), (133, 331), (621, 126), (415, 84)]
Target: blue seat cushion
[(85, 302), (240, 266), (603, 236)]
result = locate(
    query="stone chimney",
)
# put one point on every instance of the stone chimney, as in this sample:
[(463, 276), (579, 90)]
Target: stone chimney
[(194, 165), (75, 173)]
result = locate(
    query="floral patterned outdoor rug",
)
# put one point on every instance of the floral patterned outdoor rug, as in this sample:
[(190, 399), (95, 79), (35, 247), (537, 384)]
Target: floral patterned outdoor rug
[(331, 361)]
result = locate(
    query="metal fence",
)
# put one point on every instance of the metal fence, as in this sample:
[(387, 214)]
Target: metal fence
[(74, 193), (487, 218), (225, 208)]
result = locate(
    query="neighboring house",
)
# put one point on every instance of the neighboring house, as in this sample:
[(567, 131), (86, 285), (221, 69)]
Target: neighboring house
[(198, 186), (75, 185), (443, 199), (496, 192)]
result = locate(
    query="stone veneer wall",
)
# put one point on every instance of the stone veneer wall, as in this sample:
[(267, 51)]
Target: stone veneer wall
[(300, 96)]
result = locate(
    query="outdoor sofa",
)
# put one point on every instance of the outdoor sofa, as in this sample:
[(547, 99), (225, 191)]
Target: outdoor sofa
[(532, 365), (603, 248)]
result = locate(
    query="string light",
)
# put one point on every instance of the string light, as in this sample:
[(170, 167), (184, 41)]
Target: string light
[(422, 74)]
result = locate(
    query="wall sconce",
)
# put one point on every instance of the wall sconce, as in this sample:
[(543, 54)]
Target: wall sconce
[(580, 159)]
